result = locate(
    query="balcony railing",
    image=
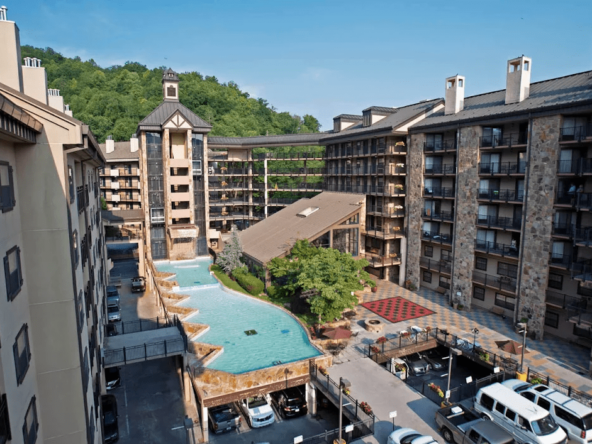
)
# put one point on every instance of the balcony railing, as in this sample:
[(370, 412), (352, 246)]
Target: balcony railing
[(577, 200), (438, 146), (575, 133), (438, 266), (562, 229), (560, 260), (582, 270), (496, 248), (503, 283), (502, 168), (441, 169), (383, 261), (434, 236), (304, 155), (291, 171), (566, 301), (81, 199), (443, 192), (385, 233), (385, 211), (282, 200), (438, 215), (505, 223), (576, 167), (582, 235), (506, 140), (501, 195), (228, 171)]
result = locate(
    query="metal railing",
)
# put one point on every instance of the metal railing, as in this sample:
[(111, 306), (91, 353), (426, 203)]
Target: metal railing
[(290, 171), (502, 195), (506, 140), (566, 301), (145, 324), (438, 191), (582, 235), (434, 236), (230, 201), (382, 233), (504, 283), (360, 430), (502, 168), (440, 266), (441, 145), (578, 200), (385, 211), (144, 351), (575, 133), (303, 155), (582, 270), (282, 200), (81, 199), (496, 248), (441, 169), (225, 170), (562, 229), (560, 260), (441, 215), (504, 223), (382, 261)]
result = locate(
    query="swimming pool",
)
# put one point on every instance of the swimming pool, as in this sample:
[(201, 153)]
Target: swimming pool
[(277, 337), (189, 273)]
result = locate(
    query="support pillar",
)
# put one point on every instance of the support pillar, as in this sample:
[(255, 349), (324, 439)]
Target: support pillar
[(186, 379), (204, 423), (266, 196), (311, 398)]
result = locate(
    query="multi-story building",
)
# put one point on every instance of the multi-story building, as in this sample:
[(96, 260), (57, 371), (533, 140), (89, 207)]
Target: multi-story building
[(120, 179), (53, 274), (499, 198)]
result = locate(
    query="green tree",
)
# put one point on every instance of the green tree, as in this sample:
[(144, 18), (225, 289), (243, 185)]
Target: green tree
[(230, 257)]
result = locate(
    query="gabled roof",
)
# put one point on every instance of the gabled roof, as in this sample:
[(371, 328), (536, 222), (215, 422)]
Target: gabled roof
[(122, 151), (164, 111), (381, 109), (276, 235), (565, 91)]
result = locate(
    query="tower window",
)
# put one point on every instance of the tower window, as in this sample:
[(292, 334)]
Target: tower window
[(171, 91)]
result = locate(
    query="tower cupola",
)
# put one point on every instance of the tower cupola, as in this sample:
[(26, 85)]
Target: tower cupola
[(170, 85)]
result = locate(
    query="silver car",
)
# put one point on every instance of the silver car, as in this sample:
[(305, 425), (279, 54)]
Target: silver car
[(113, 313)]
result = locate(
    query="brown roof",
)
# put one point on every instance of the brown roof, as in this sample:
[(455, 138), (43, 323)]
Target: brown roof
[(275, 236), (122, 151)]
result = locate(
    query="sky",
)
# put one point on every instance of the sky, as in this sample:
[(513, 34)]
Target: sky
[(321, 57)]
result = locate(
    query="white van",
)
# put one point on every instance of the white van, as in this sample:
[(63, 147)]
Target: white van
[(519, 416)]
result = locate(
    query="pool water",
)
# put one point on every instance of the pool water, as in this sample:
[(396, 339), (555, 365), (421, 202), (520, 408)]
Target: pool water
[(278, 337), (189, 273)]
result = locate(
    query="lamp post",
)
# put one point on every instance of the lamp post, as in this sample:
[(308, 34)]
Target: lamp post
[(343, 384), (456, 352), (523, 331), (475, 333)]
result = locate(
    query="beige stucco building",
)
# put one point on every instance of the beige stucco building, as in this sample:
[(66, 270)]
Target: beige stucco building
[(120, 179), (53, 274)]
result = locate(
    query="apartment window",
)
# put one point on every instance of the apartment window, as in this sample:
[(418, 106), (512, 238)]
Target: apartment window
[(4, 421), (75, 248), (12, 272), (504, 301), (71, 184), (552, 319), (446, 255), (157, 215), (481, 263), (510, 270), (427, 277), (479, 293), (196, 167), (556, 281), (80, 311), (444, 282), (31, 425), (428, 251), (22, 353), (7, 200)]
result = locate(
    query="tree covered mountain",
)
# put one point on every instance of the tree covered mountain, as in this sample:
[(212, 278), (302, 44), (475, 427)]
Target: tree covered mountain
[(113, 100)]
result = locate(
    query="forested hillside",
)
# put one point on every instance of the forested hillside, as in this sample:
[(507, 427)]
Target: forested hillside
[(113, 100)]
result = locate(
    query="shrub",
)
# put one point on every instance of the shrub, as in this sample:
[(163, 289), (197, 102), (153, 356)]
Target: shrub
[(381, 340), (272, 291), (250, 283)]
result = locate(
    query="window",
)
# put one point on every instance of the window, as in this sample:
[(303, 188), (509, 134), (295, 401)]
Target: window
[(197, 167), (479, 293), (446, 255), (444, 282), (544, 403), (486, 401), (427, 277), (529, 396), (13, 274), (503, 301), (510, 270), (71, 184), (157, 215), (481, 263), (510, 415), (428, 251), (552, 319), (500, 408), (474, 436), (568, 417), (31, 425), (555, 281), (7, 200), (22, 353), (75, 248), (524, 423), (4, 421)]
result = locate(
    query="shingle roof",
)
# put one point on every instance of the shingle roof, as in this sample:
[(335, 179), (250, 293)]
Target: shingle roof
[(349, 117), (121, 216), (276, 235), (381, 109), (259, 141), (165, 110), (122, 151), (563, 91)]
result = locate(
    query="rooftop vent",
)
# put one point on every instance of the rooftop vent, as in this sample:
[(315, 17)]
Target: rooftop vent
[(307, 212), (32, 62), (3, 10), (53, 92)]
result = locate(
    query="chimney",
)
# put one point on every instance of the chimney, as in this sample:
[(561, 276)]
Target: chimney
[(67, 110), (170, 85), (34, 79), (455, 95), (518, 79), (134, 143), (55, 100), (11, 72), (109, 145)]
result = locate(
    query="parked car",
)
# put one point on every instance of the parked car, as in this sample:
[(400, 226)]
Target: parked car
[(409, 436), (417, 365), (112, 291), (289, 402), (111, 330), (517, 385), (434, 359), (110, 425), (138, 284), (112, 378), (224, 418), (257, 411), (113, 313)]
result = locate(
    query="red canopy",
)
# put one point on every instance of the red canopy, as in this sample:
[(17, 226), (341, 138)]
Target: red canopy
[(337, 333)]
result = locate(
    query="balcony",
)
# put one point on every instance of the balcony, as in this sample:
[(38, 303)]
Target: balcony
[(439, 192), (576, 134), (114, 172), (582, 236), (439, 146), (442, 266), (503, 223), (582, 271), (223, 171), (304, 155), (114, 185), (292, 171), (382, 261), (179, 163), (502, 283), (563, 230), (440, 170), (384, 190), (576, 167), (379, 210), (565, 302), (496, 248), (184, 213), (180, 197), (579, 201), (502, 168), (385, 233), (506, 141), (436, 237), (179, 180), (496, 195), (562, 261), (445, 216)]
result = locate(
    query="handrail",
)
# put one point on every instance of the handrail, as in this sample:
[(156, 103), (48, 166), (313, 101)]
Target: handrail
[(496, 248)]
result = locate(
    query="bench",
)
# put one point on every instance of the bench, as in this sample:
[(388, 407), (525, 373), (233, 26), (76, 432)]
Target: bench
[(498, 311)]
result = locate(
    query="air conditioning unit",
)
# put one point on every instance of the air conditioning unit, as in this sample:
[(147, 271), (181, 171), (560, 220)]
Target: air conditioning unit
[(210, 170)]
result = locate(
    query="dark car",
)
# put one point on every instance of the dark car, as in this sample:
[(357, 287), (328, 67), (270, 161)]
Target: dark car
[(290, 402), (434, 359), (417, 365), (112, 378), (111, 330), (110, 426), (112, 291), (224, 418)]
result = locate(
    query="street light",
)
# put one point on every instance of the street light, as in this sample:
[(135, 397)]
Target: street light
[(523, 331), (475, 333), (457, 353), (343, 384)]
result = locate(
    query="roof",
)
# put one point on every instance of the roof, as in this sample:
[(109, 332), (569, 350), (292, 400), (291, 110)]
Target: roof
[(121, 216), (511, 399), (259, 141), (389, 123), (275, 236), (17, 113), (349, 117), (554, 93), (122, 151), (563, 400), (165, 110), (381, 109)]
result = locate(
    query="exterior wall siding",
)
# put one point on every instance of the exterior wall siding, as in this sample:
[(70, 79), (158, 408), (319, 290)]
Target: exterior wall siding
[(414, 206)]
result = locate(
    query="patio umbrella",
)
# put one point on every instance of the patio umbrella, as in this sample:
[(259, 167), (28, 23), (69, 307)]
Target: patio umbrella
[(510, 346), (337, 333)]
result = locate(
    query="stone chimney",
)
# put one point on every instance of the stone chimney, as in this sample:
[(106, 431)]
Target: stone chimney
[(170, 85), (35, 79), (134, 144), (518, 79), (55, 100), (109, 145), (11, 72), (67, 110), (455, 95)]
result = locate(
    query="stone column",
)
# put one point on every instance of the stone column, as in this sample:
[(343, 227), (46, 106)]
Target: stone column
[(466, 210), (540, 186), (311, 398), (186, 379), (143, 164), (166, 174), (265, 194), (414, 205), (204, 423)]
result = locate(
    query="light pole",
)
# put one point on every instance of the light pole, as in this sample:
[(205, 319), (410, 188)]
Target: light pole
[(523, 331), (456, 352), (343, 384), (475, 333)]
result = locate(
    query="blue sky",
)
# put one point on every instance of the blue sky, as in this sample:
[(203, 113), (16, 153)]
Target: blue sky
[(322, 57)]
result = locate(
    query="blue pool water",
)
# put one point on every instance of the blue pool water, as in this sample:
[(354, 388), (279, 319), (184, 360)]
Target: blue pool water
[(189, 273), (279, 337)]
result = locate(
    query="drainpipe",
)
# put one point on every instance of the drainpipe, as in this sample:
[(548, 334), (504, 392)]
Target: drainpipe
[(452, 290)]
